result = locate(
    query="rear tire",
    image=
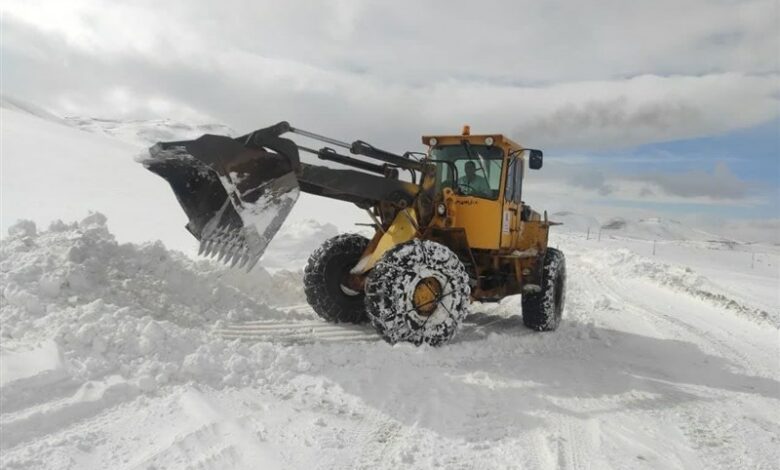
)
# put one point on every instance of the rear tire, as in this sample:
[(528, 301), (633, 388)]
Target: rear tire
[(324, 276), (543, 310), (418, 292)]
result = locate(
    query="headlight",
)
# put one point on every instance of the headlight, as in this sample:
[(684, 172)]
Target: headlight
[(441, 209), (433, 141), (489, 141)]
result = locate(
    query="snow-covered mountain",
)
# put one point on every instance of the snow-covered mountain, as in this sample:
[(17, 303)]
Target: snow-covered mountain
[(60, 168), (649, 228), (147, 132), (140, 132), (655, 228)]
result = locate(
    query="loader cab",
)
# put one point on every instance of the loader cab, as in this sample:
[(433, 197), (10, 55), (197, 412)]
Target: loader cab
[(479, 178)]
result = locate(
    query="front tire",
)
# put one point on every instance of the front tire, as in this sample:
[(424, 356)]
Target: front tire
[(543, 310), (418, 292), (324, 279)]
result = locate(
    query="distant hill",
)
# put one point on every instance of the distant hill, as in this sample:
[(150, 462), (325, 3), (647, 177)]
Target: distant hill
[(656, 228), (650, 228)]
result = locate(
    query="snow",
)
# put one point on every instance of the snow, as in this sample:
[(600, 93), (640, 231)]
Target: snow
[(295, 242), (115, 359), (146, 133), (650, 228), (117, 352)]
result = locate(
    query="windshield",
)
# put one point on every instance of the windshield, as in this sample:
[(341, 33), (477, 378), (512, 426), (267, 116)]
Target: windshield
[(478, 169)]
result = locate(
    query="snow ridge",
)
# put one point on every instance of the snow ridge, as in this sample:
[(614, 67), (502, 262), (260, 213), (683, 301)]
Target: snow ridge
[(683, 279)]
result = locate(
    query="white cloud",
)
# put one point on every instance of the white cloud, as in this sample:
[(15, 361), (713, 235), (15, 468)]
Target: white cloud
[(719, 184), (588, 181), (562, 74), (577, 75), (507, 40)]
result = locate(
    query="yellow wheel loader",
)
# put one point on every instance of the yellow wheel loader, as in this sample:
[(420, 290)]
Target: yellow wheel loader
[(450, 225)]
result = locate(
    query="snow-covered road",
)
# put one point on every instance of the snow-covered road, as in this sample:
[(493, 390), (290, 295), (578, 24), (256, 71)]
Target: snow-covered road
[(112, 359)]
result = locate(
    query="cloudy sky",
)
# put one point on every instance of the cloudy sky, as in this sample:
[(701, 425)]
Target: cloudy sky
[(642, 107)]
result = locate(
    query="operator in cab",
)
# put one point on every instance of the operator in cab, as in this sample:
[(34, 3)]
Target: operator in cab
[(473, 184)]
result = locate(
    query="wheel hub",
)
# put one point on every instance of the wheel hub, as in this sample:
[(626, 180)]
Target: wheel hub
[(426, 296), (351, 284)]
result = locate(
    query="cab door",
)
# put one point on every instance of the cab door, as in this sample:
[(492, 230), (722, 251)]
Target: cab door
[(510, 217)]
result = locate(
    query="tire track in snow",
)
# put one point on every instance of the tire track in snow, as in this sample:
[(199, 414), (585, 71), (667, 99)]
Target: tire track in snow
[(711, 416), (297, 332), (51, 417)]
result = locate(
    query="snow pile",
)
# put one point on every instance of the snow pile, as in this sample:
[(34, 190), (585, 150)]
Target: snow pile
[(142, 312), (682, 278)]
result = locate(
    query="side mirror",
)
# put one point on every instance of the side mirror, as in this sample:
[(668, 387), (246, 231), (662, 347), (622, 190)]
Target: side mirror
[(534, 159)]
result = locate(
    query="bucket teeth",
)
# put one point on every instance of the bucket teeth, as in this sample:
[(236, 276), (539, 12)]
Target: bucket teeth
[(217, 243), (244, 258), (238, 254), (220, 251), (210, 247), (208, 243), (227, 248), (226, 245), (233, 246)]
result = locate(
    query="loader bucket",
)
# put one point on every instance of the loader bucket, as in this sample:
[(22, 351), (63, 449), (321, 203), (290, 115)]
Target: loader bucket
[(236, 196)]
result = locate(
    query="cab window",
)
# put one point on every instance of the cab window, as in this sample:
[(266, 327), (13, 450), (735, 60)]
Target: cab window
[(514, 181), (519, 180), (473, 171)]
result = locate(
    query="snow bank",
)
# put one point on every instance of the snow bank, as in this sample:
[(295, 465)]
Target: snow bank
[(681, 278), (15, 104), (141, 312)]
